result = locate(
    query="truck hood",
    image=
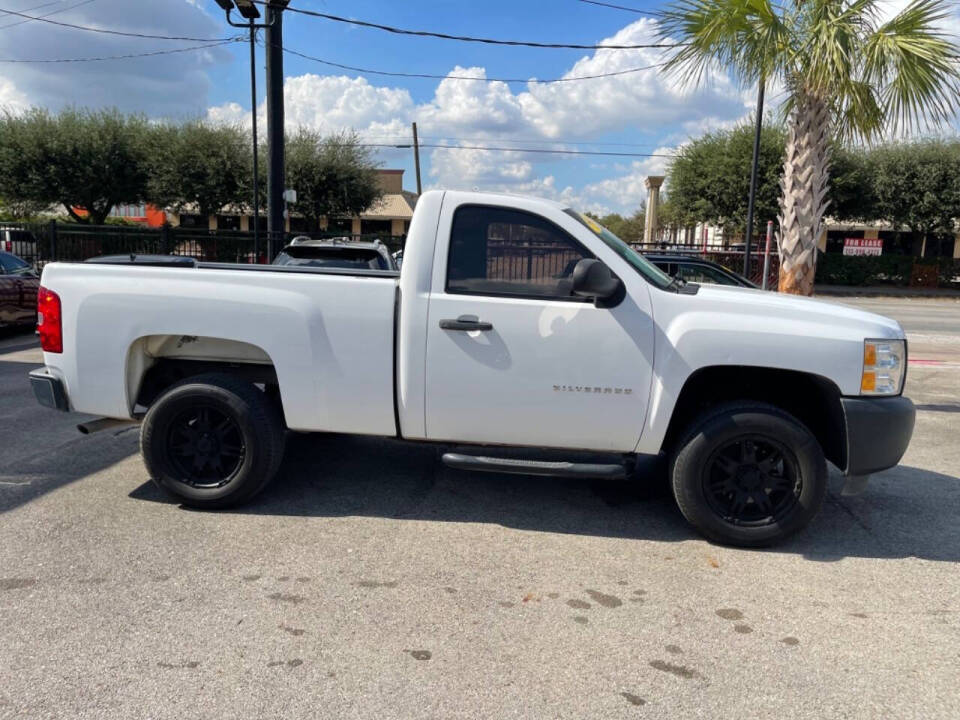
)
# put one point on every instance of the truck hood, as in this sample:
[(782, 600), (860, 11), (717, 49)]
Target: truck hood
[(835, 316)]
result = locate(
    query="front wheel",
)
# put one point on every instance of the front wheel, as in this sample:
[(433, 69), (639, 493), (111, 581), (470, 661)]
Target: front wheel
[(749, 475), (212, 441)]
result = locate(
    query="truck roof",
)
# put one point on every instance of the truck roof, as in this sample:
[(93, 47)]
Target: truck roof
[(486, 197)]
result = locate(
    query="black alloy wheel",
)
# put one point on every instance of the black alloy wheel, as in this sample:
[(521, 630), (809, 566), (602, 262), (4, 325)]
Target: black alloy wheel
[(213, 440), (205, 447), (748, 474), (752, 481)]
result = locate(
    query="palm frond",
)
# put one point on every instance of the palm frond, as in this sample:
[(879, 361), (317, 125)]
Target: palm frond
[(916, 65), (747, 36)]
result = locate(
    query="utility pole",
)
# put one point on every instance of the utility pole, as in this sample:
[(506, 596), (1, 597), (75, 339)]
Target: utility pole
[(416, 158), (753, 179), (276, 171)]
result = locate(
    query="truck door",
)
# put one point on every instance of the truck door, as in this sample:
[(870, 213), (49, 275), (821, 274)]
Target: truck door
[(512, 357)]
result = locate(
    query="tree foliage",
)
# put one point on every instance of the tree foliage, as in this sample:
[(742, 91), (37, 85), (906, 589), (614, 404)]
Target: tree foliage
[(629, 229), (916, 186), (709, 180), (333, 176), (201, 165), (89, 159), (848, 73)]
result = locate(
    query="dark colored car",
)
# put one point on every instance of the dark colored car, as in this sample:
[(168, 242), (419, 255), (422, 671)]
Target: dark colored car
[(337, 253), (697, 270), (18, 291)]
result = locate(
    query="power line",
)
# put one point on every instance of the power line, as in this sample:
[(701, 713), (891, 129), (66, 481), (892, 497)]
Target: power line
[(465, 38), (430, 76), (125, 57), (54, 12), (121, 33), (534, 141), (618, 7), (523, 150)]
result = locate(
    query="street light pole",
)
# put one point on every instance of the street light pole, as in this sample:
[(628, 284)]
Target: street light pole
[(753, 178), (276, 171), (256, 149), (249, 12)]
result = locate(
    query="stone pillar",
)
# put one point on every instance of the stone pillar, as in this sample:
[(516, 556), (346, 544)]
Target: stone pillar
[(653, 184)]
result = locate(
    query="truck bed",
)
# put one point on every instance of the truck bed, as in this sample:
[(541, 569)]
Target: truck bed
[(329, 333)]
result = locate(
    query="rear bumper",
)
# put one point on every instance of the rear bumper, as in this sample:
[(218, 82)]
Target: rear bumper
[(49, 390), (878, 432)]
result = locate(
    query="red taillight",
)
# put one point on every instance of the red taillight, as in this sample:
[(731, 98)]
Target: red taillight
[(9, 246), (49, 321)]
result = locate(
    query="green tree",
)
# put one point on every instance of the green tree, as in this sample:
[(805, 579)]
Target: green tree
[(200, 165), (709, 179), (916, 186), (846, 73), (333, 176), (81, 159), (628, 229), (851, 195)]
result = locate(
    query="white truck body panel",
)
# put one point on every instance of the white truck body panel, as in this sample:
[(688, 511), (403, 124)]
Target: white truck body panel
[(329, 338), (342, 365)]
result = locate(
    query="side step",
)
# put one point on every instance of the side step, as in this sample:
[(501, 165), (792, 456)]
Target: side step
[(533, 467)]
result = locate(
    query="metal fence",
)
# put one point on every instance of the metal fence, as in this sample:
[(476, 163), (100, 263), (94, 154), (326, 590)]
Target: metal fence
[(40, 243), (730, 259)]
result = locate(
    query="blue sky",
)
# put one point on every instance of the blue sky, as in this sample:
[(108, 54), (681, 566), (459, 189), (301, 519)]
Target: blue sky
[(641, 112)]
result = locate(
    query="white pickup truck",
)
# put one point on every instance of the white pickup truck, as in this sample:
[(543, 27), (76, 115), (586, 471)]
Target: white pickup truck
[(514, 323)]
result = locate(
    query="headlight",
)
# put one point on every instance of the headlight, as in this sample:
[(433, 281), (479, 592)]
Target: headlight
[(884, 363)]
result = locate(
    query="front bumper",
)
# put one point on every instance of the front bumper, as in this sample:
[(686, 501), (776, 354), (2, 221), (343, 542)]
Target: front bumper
[(878, 432), (49, 390)]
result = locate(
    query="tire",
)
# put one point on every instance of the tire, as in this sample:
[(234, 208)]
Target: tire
[(227, 427), (749, 475)]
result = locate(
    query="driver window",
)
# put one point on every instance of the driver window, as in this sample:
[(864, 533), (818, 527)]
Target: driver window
[(499, 251)]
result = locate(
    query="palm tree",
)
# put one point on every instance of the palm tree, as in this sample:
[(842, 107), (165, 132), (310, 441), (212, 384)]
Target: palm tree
[(847, 75)]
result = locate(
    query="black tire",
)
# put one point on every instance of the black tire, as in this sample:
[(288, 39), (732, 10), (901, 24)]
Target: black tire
[(213, 441), (749, 475)]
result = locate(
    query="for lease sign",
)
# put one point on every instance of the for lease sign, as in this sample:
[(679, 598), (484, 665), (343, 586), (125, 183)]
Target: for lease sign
[(862, 246)]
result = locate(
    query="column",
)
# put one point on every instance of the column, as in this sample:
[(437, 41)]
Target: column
[(653, 183)]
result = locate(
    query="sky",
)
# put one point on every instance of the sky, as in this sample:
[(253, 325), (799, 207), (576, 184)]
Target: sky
[(643, 112)]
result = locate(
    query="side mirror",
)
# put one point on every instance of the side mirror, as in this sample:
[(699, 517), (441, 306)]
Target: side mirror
[(593, 279)]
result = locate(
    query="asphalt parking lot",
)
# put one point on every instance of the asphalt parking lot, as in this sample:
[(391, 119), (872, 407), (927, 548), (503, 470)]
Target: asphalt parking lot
[(371, 582)]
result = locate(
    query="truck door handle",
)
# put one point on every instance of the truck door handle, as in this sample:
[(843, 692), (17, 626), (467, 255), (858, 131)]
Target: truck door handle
[(465, 323)]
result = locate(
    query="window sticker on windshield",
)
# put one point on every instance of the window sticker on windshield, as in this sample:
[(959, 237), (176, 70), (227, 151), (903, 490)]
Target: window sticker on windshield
[(591, 223)]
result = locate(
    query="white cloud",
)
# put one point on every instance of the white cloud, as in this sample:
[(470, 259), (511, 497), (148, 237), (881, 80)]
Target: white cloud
[(11, 99), (172, 85)]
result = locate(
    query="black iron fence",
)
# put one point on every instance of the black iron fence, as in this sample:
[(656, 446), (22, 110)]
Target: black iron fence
[(730, 259), (40, 243)]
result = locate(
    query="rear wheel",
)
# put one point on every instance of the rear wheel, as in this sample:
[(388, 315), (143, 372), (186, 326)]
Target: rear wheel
[(212, 441), (749, 475)]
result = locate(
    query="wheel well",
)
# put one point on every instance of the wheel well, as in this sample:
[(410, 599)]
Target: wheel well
[(155, 362), (166, 372), (812, 399)]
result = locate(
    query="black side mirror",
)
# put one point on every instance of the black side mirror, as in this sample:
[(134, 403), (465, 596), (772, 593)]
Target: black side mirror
[(592, 279)]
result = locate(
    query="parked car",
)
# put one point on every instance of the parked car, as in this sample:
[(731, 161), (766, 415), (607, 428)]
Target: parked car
[(698, 270), (18, 291), (19, 241), (337, 253), (480, 342)]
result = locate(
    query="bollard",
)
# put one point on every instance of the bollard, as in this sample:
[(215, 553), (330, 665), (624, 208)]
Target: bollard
[(766, 255)]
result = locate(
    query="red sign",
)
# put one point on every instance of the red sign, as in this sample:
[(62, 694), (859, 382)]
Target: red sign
[(862, 246)]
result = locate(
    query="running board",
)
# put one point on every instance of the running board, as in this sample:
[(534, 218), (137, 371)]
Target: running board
[(533, 467)]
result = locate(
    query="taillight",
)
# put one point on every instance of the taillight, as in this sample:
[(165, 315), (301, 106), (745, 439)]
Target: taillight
[(9, 246), (49, 321)]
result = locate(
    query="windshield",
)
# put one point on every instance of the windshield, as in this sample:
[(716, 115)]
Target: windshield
[(639, 263)]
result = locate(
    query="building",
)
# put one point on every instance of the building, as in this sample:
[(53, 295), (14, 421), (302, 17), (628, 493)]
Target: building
[(391, 215)]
